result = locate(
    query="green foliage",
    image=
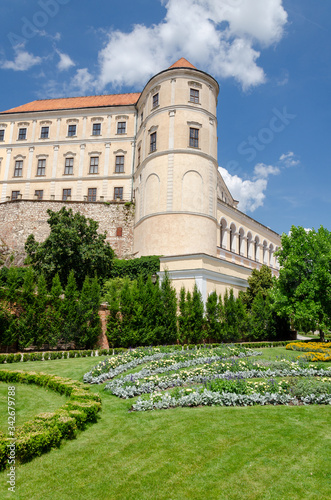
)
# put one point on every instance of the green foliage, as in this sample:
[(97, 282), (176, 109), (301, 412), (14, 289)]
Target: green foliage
[(47, 430), (74, 244), (191, 316), (141, 313), (133, 268), (234, 318), (303, 289), (259, 282), (262, 319)]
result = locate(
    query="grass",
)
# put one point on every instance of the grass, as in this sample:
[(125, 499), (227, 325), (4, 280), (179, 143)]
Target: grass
[(267, 453), (29, 401)]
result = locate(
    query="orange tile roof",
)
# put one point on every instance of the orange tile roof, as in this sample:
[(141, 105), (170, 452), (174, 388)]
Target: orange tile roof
[(182, 63), (77, 102)]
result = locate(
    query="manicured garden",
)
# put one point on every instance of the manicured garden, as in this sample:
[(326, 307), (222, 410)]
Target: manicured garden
[(273, 451)]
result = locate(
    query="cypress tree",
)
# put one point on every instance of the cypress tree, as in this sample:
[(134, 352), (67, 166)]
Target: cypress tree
[(212, 317)]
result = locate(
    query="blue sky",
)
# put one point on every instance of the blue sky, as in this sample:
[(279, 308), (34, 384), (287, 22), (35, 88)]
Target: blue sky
[(271, 58)]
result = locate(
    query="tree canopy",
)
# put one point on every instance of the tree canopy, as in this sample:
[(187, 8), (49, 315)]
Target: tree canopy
[(303, 289), (73, 244)]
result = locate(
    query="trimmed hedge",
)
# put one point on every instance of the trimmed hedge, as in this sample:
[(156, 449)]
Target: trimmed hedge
[(47, 430)]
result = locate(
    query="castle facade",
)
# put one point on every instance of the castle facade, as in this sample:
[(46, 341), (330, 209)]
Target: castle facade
[(156, 149)]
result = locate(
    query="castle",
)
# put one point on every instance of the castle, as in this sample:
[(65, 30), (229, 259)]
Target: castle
[(145, 166)]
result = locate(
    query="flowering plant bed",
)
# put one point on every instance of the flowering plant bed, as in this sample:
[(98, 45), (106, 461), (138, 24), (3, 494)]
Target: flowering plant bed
[(315, 351)]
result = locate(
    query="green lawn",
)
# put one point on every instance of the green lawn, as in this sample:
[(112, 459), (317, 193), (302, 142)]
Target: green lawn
[(272, 452)]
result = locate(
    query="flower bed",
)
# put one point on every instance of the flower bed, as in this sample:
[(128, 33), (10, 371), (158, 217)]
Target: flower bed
[(315, 351)]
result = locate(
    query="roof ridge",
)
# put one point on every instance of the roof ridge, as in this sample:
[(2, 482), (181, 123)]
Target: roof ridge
[(82, 96)]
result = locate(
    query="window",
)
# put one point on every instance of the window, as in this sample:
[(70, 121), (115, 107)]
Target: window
[(2, 135), (118, 193), (119, 164), (121, 127), (118, 231), (66, 194), (41, 168), (44, 132), (155, 100), (96, 130), (139, 156), (71, 130), (69, 166), (15, 195), (18, 171), (194, 137), (153, 142), (92, 194), (38, 194), (22, 134), (141, 118), (194, 95), (94, 165)]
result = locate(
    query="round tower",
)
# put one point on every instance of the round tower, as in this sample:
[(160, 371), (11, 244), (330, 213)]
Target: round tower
[(175, 176)]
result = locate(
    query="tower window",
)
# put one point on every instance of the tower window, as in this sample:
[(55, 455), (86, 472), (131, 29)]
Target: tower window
[(155, 100), (153, 142), (194, 95), (194, 137)]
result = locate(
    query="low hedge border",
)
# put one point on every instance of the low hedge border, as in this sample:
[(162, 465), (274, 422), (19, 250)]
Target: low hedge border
[(52, 355), (47, 430)]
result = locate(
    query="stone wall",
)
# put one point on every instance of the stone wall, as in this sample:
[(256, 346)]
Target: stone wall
[(20, 218)]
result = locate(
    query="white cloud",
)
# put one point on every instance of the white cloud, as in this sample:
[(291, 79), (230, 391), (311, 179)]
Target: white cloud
[(249, 193), (219, 37), (263, 171), (65, 61), (23, 60), (83, 81), (289, 159)]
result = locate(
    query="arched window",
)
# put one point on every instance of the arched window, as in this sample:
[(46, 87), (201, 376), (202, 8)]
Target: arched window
[(256, 248), (223, 226), (232, 238), (249, 245), (241, 235)]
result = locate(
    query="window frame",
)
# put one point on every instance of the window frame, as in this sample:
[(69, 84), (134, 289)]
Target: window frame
[(36, 193), (155, 100), (69, 168), (2, 134), (119, 164), (13, 198), (94, 166), (18, 169), (118, 193), (194, 96), (194, 138), (91, 194), (22, 134), (41, 167), (152, 142), (121, 128), (44, 132), (96, 129), (72, 130), (66, 193)]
